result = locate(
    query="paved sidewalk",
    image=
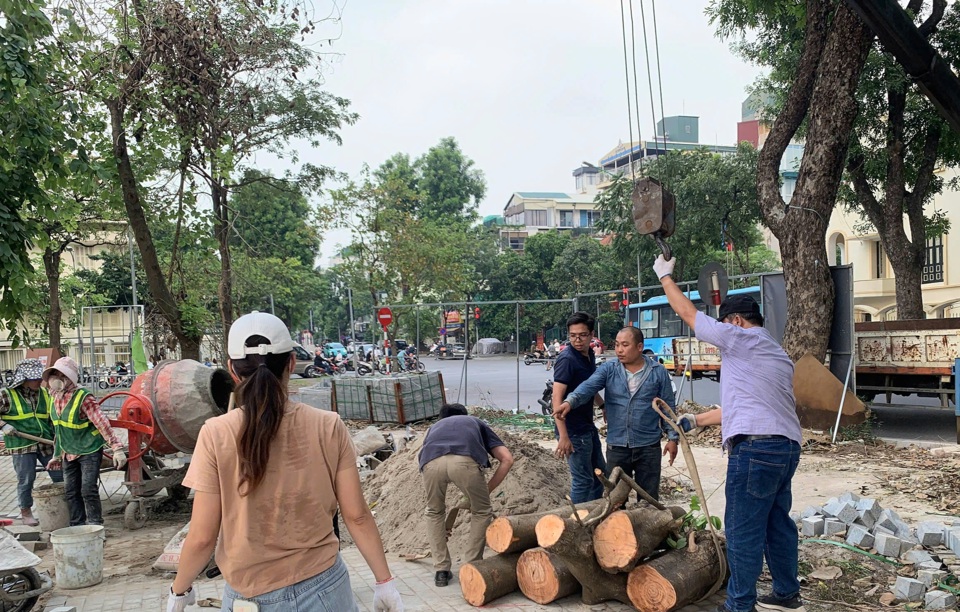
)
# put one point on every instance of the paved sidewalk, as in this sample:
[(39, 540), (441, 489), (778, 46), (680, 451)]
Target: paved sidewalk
[(415, 585)]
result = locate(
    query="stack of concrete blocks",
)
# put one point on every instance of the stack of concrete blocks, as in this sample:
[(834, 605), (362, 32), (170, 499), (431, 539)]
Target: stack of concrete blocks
[(868, 526)]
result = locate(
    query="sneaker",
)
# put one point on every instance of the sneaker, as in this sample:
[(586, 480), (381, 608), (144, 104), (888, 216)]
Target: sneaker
[(769, 602), (442, 578), (723, 608)]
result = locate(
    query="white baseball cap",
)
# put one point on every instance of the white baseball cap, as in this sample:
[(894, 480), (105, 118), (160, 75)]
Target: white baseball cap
[(258, 324)]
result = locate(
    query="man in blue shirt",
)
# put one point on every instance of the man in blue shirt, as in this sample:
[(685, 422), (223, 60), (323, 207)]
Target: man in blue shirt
[(577, 436), (634, 429)]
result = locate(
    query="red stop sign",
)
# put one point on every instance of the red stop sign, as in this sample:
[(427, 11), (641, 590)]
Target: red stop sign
[(385, 316)]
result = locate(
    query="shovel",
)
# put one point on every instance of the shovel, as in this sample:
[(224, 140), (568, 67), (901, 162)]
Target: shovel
[(654, 212)]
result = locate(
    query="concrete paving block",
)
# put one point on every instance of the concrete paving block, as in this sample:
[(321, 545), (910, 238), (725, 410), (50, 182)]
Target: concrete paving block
[(858, 535), (930, 533), (843, 511), (812, 526), (866, 519), (877, 530), (833, 526), (888, 520), (915, 556), (952, 537), (931, 577), (929, 565), (870, 506), (909, 589), (849, 497), (906, 532), (810, 511), (939, 600), (23, 533), (887, 545), (35, 546), (795, 517)]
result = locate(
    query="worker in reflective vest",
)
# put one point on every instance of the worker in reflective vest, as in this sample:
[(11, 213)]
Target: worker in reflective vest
[(25, 409), (81, 433)]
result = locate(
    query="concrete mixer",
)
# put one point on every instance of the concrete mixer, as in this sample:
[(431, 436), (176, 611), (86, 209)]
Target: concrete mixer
[(162, 414)]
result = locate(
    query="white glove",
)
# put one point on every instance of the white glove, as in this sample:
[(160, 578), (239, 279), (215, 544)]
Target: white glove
[(119, 459), (687, 422), (386, 597), (179, 603), (8, 430), (664, 267)]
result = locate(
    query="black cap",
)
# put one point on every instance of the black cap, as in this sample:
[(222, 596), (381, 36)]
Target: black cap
[(738, 304)]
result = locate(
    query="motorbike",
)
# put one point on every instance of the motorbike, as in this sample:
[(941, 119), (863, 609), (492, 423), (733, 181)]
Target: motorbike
[(22, 585), (546, 400), (536, 356)]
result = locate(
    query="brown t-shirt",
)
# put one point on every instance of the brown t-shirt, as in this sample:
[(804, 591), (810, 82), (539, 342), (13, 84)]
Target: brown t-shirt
[(282, 532)]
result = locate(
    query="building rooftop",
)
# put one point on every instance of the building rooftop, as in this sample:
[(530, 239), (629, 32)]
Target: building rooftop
[(543, 195)]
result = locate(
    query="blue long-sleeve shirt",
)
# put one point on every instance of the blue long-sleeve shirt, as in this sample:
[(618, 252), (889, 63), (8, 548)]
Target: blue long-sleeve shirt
[(631, 420)]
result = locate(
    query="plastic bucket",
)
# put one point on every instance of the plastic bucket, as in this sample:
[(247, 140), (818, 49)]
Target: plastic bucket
[(78, 555), (52, 509)]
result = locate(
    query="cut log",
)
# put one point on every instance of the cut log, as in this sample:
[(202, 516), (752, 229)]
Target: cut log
[(544, 577), (483, 581), (675, 579), (573, 543), (508, 534), (625, 537)]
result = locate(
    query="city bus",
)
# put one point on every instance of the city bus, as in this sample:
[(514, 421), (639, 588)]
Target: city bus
[(660, 324)]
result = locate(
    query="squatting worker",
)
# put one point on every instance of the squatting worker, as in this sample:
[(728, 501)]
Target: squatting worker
[(455, 450), (81, 431), (268, 477), (25, 408), (634, 429), (761, 434), (578, 440)]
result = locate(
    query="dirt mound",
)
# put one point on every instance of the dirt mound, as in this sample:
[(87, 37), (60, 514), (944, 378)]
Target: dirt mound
[(538, 481)]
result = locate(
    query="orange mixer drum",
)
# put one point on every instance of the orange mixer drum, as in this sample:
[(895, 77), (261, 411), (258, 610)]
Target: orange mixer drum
[(184, 394)]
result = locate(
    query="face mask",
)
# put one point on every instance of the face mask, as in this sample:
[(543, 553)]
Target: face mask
[(55, 384)]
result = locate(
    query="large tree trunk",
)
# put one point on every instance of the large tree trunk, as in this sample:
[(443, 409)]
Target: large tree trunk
[(483, 581), (544, 577), (627, 536), (573, 543), (507, 534), (835, 48), (676, 578), (221, 228), (166, 304), (51, 268)]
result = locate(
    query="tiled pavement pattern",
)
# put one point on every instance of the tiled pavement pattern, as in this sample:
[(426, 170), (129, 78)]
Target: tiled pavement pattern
[(133, 594)]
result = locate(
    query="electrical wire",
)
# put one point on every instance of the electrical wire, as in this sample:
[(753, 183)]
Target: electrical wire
[(636, 92), (656, 46), (626, 74), (653, 108)]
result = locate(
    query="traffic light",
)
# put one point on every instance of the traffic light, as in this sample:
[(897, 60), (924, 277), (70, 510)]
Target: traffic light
[(476, 313)]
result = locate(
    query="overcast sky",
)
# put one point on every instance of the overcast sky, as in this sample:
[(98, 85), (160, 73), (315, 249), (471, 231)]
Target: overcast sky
[(529, 88)]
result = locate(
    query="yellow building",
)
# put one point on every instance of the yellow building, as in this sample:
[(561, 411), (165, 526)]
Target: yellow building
[(875, 296)]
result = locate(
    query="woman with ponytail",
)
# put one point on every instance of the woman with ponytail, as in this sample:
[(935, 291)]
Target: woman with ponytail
[(268, 478)]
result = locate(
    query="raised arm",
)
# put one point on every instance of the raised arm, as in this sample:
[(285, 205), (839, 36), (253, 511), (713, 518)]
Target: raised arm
[(680, 303)]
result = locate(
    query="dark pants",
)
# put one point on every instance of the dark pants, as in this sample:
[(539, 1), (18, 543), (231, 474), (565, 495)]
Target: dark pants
[(641, 463), (25, 467), (81, 479), (587, 456), (758, 522)]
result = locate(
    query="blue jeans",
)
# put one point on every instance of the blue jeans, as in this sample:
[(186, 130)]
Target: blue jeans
[(81, 478), (587, 456), (328, 591), (640, 463), (758, 522), (25, 467)]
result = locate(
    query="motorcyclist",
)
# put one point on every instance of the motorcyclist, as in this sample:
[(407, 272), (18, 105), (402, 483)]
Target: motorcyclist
[(320, 362)]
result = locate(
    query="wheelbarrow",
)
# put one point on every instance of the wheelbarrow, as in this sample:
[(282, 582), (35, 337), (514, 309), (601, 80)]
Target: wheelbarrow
[(654, 212), (22, 585)]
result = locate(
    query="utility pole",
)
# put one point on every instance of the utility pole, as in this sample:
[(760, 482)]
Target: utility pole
[(353, 336), (133, 286)]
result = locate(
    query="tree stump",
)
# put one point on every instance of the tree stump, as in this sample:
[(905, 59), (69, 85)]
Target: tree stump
[(483, 581), (573, 543), (627, 536), (517, 533), (675, 579), (544, 577)]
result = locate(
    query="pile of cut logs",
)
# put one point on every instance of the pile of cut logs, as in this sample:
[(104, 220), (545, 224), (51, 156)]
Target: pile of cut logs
[(600, 550)]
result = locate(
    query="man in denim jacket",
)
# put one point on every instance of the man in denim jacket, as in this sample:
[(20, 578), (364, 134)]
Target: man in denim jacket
[(634, 429)]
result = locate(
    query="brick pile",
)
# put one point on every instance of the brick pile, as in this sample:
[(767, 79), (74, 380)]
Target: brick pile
[(932, 548)]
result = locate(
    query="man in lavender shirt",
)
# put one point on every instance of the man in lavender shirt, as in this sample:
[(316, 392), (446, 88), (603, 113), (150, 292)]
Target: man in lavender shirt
[(761, 434)]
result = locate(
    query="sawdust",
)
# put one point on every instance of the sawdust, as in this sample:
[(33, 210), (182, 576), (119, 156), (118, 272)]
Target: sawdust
[(537, 482)]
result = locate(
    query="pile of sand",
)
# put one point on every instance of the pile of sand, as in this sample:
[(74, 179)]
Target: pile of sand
[(537, 482)]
